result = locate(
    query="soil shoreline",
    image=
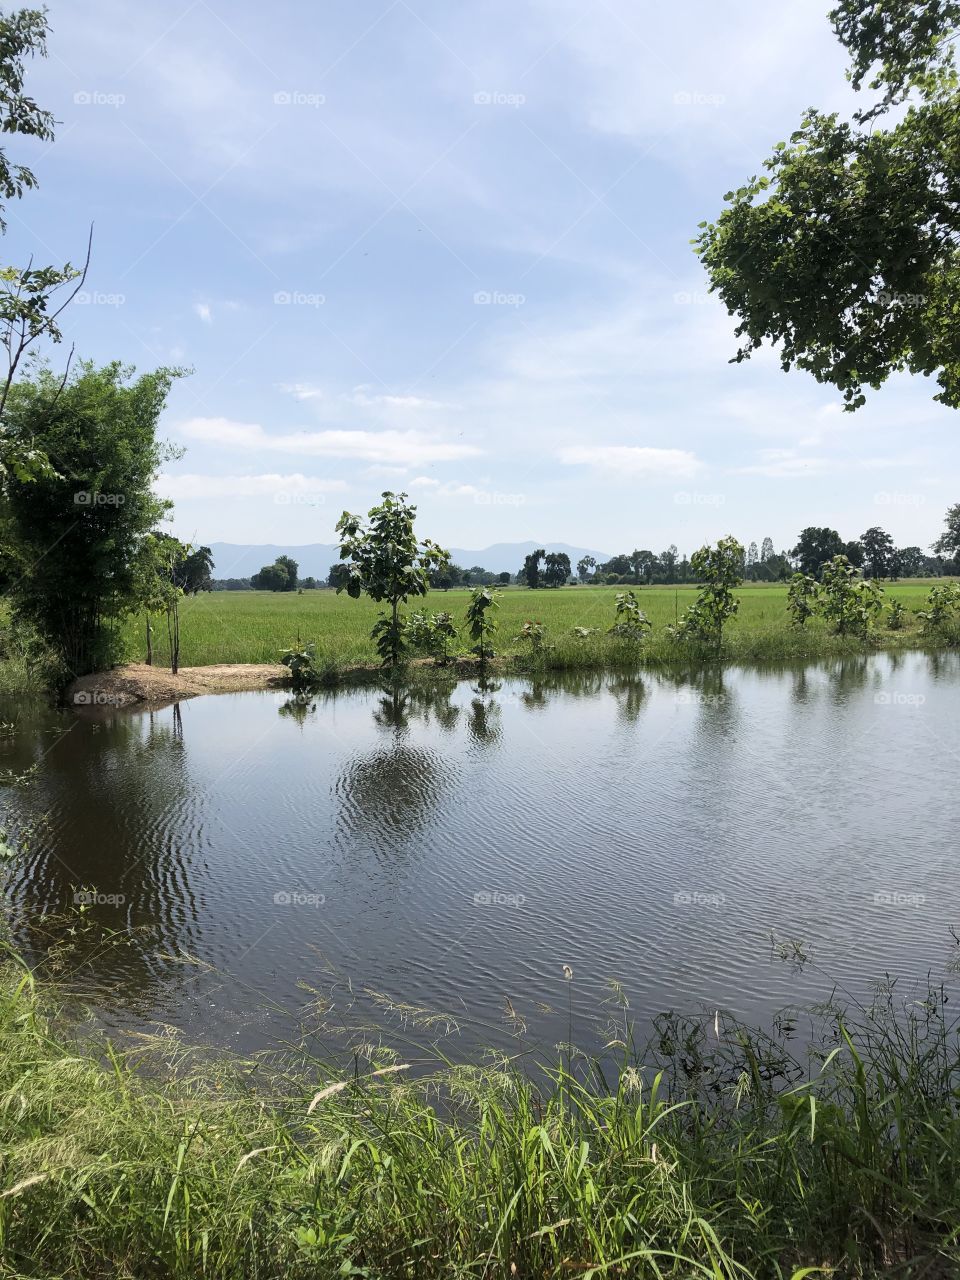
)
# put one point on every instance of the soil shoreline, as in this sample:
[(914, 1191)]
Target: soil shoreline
[(139, 685)]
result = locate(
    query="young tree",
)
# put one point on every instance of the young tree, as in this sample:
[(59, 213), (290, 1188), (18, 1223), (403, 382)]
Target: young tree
[(848, 602), (719, 569), (482, 624), (78, 539), (631, 622), (802, 598), (171, 558), (847, 255), (943, 606), (386, 562), (431, 633)]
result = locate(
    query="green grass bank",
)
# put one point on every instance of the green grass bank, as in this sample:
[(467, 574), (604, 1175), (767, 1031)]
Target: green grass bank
[(255, 627), (718, 1153)]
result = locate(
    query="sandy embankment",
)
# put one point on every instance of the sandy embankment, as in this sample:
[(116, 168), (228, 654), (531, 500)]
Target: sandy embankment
[(137, 683)]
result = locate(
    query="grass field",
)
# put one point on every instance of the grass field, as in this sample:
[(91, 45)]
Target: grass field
[(719, 1152), (255, 626)]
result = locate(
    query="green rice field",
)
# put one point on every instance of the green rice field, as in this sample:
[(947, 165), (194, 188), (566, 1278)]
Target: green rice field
[(255, 626)]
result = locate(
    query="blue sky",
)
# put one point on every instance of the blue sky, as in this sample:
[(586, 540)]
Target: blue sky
[(445, 247)]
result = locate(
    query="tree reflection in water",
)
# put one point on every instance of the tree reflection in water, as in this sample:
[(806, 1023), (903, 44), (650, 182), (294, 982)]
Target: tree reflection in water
[(101, 894), (483, 721), (388, 795)]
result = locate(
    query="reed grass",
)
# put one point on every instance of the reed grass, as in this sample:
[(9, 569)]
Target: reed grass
[(717, 1152), (26, 664)]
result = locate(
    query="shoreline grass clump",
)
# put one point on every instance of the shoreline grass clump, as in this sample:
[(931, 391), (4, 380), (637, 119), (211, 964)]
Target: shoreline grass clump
[(719, 1152)]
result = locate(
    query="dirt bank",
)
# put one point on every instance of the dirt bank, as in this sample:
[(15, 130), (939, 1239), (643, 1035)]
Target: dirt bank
[(137, 683)]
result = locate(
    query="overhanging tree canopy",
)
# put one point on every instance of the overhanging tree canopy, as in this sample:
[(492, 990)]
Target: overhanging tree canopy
[(846, 253)]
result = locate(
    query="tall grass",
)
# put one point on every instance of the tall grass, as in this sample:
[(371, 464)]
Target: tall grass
[(720, 1153), (27, 665)]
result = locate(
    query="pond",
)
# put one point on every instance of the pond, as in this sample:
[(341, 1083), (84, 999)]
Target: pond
[(248, 867)]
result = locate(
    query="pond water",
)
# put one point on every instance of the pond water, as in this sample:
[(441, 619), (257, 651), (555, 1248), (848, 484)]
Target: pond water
[(245, 867)]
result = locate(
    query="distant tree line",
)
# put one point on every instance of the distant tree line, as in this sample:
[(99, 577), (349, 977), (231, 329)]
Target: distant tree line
[(874, 554), (669, 568)]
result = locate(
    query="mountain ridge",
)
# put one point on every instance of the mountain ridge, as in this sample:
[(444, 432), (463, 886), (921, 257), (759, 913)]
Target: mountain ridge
[(241, 560)]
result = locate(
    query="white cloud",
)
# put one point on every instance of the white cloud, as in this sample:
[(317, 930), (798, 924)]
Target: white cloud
[(783, 464), (633, 461), (202, 309), (360, 396), (302, 390), (414, 447), (190, 485), (447, 489), (380, 472)]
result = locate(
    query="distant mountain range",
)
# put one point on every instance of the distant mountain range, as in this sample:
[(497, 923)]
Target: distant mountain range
[(235, 560)]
